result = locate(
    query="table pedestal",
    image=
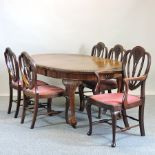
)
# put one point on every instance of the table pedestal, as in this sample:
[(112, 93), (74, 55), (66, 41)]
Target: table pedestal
[(71, 86)]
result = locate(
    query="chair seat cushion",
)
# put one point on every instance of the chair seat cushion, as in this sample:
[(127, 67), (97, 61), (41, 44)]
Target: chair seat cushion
[(46, 91), (39, 83), (105, 84), (114, 99)]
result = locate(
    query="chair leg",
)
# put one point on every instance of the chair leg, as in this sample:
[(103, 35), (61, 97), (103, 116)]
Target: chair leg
[(10, 100), (141, 120), (99, 113), (66, 110), (104, 110), (25, 100), (81, 96), (109, 91), (125, 120), (114, 119), (88, 108), (18, 102), (49, 104), (35, 112)]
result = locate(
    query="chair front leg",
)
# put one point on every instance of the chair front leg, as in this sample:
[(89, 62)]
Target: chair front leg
[(18, 102), (88, 108), (114, 119), (10, 100), (25, 104), (35, 111)]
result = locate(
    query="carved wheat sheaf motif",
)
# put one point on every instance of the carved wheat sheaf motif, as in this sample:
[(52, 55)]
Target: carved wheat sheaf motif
[(28, 71), (12, 64), (134, 65), (100, 50)]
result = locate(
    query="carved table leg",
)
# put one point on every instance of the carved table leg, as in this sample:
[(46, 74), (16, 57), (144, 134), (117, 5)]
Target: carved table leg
[(71, 86)]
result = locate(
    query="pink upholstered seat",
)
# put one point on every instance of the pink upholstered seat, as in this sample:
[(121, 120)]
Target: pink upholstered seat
[(115, 99), (39, 83), (46, 90)]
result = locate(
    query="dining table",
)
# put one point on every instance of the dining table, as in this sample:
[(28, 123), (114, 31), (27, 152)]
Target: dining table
[(73, 69)]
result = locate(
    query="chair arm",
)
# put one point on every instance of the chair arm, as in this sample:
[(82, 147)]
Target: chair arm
[(126, 81), (97, 88), (126, 84), (140, 78)]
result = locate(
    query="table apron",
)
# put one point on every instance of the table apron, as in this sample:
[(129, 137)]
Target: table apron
[(76, 76)]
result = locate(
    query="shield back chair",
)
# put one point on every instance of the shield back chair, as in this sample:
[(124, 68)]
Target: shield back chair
[(32, 90), (14, 79), (136, 64), (115, 53), (99, 50)]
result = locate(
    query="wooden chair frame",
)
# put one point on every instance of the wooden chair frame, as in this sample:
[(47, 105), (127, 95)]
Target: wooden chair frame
[(115, 53), (14, 80), (99, 50), (134, 76), (29, 76)]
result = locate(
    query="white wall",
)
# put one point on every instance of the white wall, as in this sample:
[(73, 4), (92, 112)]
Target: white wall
[(74, 26)]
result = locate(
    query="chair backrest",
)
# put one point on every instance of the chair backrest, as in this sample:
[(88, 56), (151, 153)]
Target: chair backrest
[(28, 71), (100, 50), (12, 65), (116, 53), (136, 63)]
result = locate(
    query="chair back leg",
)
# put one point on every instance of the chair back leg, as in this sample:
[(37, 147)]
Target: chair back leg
[(125, 120), (18, 102), (10, 100), (81, 96), (99, 113), (49, 104), (141, 120)]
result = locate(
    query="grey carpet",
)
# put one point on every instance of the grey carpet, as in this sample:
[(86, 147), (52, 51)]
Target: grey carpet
[(52, 135)]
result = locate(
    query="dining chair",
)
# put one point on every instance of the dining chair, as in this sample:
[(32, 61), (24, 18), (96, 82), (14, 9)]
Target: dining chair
[(14, 79), (99, 50), (135, 65), (32, 90), (115, 53)]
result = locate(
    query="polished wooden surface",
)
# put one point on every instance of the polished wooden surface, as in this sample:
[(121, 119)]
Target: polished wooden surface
[(73, 68)]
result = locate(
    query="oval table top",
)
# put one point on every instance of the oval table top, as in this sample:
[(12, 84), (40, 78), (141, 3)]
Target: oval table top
[(76, 63)]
